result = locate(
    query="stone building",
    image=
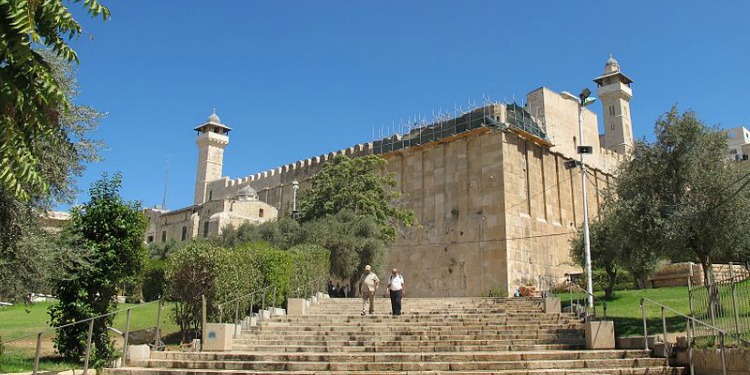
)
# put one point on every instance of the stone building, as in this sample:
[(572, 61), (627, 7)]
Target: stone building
[(495, 204), (210, 213), (738, 141)]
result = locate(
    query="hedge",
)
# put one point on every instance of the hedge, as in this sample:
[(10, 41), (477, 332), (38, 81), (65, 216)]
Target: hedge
[(224, 275)]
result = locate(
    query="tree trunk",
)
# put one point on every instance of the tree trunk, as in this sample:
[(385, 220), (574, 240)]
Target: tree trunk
[(611, 281), (714, 304)]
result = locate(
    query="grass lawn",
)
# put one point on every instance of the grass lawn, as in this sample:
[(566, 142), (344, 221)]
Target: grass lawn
[(19, 321), (625, 310)]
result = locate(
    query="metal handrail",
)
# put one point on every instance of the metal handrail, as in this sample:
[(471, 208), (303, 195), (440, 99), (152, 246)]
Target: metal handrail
[(580, 289), (689, 319), (310, 284), (90, 333), (265, 289)]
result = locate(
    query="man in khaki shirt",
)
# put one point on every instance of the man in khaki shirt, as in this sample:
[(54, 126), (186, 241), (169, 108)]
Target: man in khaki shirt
[(368, 284)]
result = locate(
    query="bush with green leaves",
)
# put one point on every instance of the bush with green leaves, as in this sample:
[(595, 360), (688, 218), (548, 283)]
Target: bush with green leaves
[(109, 233), (154, 280), (310, 263), (192, 273), (227, 276)]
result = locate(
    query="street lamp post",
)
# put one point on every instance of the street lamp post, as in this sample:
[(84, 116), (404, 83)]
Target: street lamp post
[(583, 100), (295, 187)]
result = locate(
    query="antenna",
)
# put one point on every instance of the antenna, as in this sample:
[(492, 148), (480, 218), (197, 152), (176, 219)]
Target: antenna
[(166, 181)]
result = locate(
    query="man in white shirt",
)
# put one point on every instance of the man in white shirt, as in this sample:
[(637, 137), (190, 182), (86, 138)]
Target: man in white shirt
[(397, 289), (368, 283)]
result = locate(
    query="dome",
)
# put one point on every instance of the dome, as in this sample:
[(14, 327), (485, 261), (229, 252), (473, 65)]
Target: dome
[(612, 65), (247, 193), (214, 119)]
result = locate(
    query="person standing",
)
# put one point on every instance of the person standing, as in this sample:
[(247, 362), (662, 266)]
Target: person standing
[(396, 288), (368, 284)]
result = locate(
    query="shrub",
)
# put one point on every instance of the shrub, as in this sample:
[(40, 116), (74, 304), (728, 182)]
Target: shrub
[(192, 273), (154, 280), (309, 263)]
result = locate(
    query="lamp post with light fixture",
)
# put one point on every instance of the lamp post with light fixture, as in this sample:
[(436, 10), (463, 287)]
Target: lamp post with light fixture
[(295, 187), (583, 100)]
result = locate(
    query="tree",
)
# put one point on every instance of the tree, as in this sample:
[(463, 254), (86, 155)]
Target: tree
[(192, 273), (681, 195), (604, 248), (28, 258), (611, 248), (32, 97), (353, 242), (361, 186), (109, 232)]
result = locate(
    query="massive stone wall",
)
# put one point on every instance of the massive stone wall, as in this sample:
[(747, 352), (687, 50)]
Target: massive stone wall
[(543, 209), (456, 190), (495, 207)]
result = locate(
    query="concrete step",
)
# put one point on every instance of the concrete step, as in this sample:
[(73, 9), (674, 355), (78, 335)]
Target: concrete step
[(416, 326), (379, 357), (420, 340), (434, 336), (656, 370), (392, 365), (395, 348)]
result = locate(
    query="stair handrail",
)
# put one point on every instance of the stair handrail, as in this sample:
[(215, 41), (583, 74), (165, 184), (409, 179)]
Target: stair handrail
[(91, 320), (587, 317), (690, 339), (236, 301), (264, 290), (312, 285)]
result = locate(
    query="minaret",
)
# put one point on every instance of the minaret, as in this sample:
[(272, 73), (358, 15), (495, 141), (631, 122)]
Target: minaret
[(213, 137), (613, 89)]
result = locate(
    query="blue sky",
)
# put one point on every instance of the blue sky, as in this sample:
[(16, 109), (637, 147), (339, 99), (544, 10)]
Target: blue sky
[(295, 79)]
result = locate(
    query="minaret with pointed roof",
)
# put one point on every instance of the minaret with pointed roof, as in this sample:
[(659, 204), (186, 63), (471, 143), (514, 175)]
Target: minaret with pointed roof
[(613, 89), (213, 137)]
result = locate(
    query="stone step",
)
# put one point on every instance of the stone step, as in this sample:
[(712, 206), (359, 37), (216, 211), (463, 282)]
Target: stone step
[(434, 336), (501, 347), (655, 370), (423, 340), (379, 357), (390, 365), (518, 326), (406, 318)]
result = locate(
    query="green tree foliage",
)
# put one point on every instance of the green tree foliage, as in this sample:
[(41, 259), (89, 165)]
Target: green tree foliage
[(310, 263), (27, 256), (109, 232), (154, 280), (353, 242), (680, 195), (607, 251), (611, 251), (360, 185), (224, 275), (192, 273), (32, 96)]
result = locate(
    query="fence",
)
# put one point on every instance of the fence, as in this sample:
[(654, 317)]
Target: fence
[(259, 300), (149, 335), (549, 285), (723, 303), (719, 335)]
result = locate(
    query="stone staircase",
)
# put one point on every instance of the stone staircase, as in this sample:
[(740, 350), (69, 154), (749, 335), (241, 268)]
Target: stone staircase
[(433, 336)]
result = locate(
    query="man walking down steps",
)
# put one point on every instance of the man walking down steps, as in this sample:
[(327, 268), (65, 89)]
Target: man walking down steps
[(370, 281)]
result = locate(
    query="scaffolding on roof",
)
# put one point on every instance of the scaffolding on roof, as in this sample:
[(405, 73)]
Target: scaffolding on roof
[(421, 133)]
